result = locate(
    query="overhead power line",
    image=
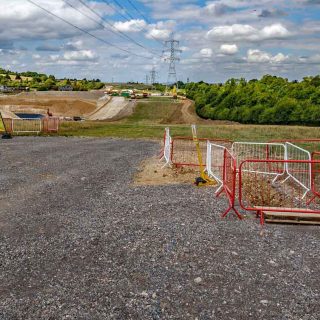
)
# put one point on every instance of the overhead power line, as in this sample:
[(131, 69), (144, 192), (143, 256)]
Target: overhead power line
[(94, 20), (132, 17), (87, 32), (115, 28), (123, 8), (139, 12), (119, 12)]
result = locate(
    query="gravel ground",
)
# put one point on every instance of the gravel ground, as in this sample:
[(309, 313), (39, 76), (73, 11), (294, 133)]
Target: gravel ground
[(79, 241)]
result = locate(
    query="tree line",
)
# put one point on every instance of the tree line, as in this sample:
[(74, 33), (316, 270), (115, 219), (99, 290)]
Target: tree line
[(270, 100), (43, 82)]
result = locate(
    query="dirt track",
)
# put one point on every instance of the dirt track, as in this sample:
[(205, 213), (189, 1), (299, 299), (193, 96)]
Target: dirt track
[(116, 108), (185, 113)]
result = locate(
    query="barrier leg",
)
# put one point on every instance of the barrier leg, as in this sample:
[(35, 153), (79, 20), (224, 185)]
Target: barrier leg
[(311, 200), (261, 217), (231, 207), (219, 190), (234, 210), (218, 193)]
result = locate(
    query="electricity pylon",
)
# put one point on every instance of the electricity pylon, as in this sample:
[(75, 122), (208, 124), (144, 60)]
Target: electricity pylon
[(172, 46), (153, 75)]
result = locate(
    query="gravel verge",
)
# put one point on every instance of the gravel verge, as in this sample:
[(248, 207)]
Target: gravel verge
[(79, 241)]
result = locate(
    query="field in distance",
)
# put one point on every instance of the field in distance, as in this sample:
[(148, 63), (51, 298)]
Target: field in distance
[(150, 117)]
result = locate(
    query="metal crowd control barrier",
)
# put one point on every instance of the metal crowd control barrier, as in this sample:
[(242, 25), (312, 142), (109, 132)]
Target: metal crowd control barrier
[(26, 125), (50, 124), (167, 148), (253, 150), (229, 182), (256, 193), (214, 163), (310, 144), (184, 151), (300, 172), (315, 183), (32, 125)]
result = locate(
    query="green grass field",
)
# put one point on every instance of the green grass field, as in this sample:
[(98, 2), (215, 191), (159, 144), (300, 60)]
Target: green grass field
[(152, 112), (232, 132), (150, 118)]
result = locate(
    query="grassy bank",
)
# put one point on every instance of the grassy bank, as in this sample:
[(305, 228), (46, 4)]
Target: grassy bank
[(232, 132)]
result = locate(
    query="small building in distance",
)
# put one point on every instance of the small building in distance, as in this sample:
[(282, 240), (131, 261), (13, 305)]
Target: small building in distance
[(9, 89), (66, 88)]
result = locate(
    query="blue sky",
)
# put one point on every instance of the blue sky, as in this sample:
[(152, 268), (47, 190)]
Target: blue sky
[(219, 39)]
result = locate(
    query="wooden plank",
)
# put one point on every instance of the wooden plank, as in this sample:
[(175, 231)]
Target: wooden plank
[(283, 209), (292, 214), (293, 221)]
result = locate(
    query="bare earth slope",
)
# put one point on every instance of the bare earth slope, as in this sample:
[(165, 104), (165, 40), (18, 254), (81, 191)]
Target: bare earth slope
[(59, 103), (116, 108)]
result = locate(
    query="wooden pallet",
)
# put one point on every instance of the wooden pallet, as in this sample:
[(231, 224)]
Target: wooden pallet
[(292, 217)]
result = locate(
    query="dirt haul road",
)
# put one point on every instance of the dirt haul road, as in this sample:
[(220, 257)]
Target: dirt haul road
[(115, 109), (185, 113)]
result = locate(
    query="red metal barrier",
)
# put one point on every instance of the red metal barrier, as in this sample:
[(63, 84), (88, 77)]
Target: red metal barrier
[(257, 192), (229, 182), (8, 124), (50, 124), (315, 184), (184, 152)]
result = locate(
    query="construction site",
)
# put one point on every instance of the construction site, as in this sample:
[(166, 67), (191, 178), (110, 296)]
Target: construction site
[(131, 188), (188, 226)]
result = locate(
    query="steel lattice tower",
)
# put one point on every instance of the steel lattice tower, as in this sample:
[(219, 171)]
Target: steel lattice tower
[(172, 46), (153, 75)]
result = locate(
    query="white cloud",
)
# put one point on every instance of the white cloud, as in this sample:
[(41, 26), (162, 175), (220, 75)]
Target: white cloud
[(219, 9), (71, 58), (74, 45), (20, 19), (314, 59), (81, 55), (229, 49), (280, 57), (245, 32), (184, 48), (130, 26), (258, 56), (161, 30), (159, 34), (206, 53), (274, 31)]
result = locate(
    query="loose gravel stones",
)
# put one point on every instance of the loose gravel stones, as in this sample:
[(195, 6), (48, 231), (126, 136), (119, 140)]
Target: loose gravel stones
[(78, 240)]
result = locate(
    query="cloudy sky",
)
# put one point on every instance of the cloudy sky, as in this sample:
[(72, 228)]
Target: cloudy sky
[(123, 39)]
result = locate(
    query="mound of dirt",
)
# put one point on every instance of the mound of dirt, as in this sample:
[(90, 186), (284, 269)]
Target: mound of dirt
[(82, 95), (40, 103)]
